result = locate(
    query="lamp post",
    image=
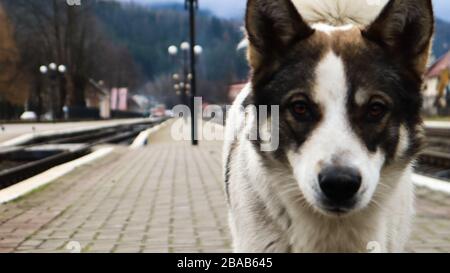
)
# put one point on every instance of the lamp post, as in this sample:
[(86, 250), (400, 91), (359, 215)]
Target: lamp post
[(189, 84), (54, 72), (192, 5)]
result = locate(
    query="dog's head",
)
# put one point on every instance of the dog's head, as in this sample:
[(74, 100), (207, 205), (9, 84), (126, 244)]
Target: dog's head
[(349, 97)]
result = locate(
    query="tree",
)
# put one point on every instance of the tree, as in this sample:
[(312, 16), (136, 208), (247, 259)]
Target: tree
[(52, 31), (14, 87)]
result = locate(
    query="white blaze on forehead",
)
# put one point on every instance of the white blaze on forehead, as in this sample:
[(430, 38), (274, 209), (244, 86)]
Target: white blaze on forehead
[(334, 135), (335, 138), (331, 82)]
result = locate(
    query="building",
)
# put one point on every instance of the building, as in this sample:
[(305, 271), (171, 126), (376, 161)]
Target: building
[(97, 96), (436, 82)]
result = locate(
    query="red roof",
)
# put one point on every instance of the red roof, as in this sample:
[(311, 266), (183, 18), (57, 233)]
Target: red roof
[(440, 65)]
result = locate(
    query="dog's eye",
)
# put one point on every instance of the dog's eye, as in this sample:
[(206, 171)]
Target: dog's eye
[(376, 111), (300, 109)]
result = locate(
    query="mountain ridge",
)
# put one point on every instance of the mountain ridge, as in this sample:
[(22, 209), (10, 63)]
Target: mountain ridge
[(440, 47), (441, 43)]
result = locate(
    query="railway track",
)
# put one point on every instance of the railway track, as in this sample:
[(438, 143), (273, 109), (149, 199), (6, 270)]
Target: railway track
[(435, 160), (84, 142)]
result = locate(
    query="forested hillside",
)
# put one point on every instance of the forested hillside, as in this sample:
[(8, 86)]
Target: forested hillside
[(121, 45), (148, 32)]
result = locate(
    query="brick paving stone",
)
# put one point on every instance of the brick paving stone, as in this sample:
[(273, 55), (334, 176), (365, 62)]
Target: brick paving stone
[(431, 229), (167, 197)]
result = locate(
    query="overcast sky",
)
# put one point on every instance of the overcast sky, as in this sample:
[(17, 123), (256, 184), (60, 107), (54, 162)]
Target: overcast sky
[(235, 8)]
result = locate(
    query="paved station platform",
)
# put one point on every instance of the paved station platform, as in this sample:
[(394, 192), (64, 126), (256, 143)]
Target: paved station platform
[(166, 197)]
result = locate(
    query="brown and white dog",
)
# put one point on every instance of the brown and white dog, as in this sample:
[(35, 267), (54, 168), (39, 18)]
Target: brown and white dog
[(346, 76)]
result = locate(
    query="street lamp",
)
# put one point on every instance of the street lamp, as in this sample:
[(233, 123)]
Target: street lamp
[(54, 69), (173, 50), (183, 84), (184, 81), (52, 66), (187, 87), (54, 72), (62, 69), (198, 50), (185, 46), (43, 69)]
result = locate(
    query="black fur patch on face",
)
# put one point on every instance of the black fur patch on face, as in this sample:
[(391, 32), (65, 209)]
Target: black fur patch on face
[(392, 59), (295, 76), (373, 73)]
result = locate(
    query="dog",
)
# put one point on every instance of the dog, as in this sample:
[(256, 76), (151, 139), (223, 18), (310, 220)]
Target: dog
[(346, 78)]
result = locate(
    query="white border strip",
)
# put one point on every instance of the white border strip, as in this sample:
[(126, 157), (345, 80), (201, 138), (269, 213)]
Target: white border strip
[(437, 124), (20, 189), (142, 139), (431, 183)]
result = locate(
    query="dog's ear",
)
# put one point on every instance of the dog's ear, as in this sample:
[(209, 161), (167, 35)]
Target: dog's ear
[(405, 28), (272, 25)]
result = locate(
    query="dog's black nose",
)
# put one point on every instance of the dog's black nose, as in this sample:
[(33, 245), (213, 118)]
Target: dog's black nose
[(339, 184)]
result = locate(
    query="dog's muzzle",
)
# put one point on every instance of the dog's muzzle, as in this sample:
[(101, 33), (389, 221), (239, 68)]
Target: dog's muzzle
[(339, 186)]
